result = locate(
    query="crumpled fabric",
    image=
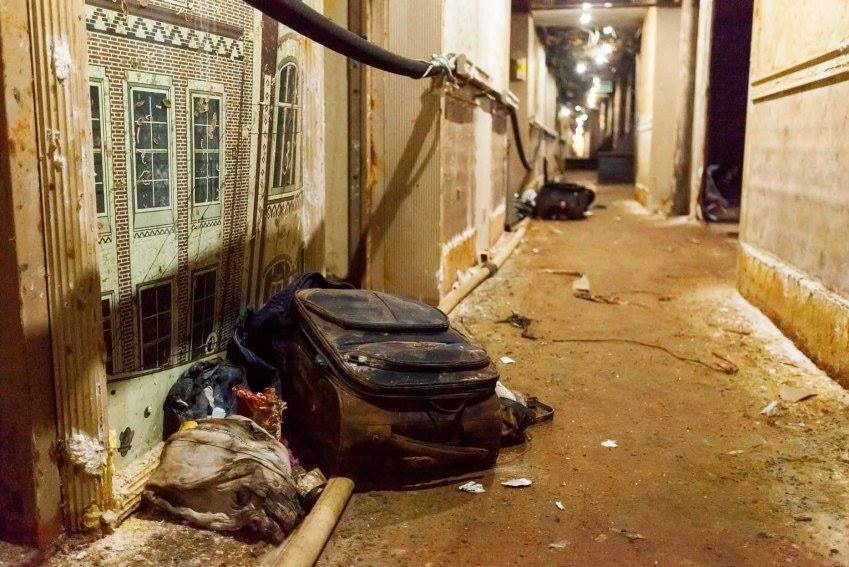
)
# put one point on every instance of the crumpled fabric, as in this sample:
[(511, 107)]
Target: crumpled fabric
[(203, 390), (227, 475), (256, 331)]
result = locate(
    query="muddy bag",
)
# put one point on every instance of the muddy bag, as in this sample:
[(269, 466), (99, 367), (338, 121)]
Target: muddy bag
[(227, 475), (203, 390), (382, 388), (563, 201)]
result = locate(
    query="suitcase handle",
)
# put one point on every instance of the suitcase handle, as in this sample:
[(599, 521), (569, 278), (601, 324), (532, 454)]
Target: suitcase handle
[(438, 451)]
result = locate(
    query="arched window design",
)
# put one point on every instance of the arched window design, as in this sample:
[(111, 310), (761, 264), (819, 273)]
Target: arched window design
[(286, 131), (277, 276)]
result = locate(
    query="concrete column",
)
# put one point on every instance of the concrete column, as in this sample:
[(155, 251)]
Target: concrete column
[(684, 110), (63, 134), (30, 511)]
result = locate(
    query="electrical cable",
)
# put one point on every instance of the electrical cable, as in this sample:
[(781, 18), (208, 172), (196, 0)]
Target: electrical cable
[(296, 15)]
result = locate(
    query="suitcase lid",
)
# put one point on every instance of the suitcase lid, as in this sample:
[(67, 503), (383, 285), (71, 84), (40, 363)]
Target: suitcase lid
[(372, 310), (419, 356), (385, 344)]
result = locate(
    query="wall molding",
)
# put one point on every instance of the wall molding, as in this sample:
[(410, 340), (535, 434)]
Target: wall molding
[(828, 68), (181, 36), (73, 278), (814, 317)]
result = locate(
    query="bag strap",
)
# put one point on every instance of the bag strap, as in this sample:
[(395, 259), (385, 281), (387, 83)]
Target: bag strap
[(541, 412)]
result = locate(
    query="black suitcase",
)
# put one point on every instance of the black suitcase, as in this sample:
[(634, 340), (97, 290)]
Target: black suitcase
[(380, 387)]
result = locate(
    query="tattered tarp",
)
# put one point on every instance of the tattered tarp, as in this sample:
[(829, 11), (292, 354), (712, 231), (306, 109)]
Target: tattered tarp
[(227, 474)]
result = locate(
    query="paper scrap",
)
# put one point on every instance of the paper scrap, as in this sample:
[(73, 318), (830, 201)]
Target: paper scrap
[(517, 482), (472, 486)]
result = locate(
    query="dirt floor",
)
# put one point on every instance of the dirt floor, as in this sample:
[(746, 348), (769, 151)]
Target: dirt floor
[(699, 475)]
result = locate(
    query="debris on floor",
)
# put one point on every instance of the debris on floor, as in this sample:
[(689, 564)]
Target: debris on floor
[(472, 486), (559, 505), (520, 322), (724, 365), (609, 444), (631, 536), (771, 409), (507, 360), (581, 290), (558, 544), (517, 482), (793, 395), (518, 412)]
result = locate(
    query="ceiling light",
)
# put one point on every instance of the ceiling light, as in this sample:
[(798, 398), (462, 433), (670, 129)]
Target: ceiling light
[(586, 6), (608, 4), (585, 18), (596, 81), (581, 68), (601, 59), (579, 108), (606, 48), (608, 30)]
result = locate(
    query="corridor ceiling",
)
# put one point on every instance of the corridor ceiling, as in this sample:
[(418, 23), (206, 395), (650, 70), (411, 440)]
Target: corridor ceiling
[(571, 44)]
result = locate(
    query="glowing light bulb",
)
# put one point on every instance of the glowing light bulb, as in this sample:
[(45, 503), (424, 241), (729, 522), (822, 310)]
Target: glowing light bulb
[(581, 68), (608, 4), (586, 6), (585, 18), (600, 59), (608, 30)]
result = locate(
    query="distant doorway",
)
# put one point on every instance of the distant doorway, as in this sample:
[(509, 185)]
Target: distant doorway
[(731, 41)]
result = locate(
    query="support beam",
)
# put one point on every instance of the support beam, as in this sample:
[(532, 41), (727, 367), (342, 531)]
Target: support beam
[(684, 110), (30, 505), (66, 187), (698, 151)]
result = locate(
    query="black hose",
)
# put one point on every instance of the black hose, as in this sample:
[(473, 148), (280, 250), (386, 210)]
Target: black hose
[(520, 148), (306, 21)]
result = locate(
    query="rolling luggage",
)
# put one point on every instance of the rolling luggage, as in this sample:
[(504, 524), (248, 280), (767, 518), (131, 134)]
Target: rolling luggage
[(378, 384)]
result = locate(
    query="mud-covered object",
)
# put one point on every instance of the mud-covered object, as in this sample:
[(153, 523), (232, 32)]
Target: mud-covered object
[(227, 475), (518, 413), (381, 388), (563, 201), (203, 390)]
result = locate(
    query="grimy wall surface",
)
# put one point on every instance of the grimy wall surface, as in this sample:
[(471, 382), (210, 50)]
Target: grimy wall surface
[(437, 154), (657, 93), (795, 241)]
